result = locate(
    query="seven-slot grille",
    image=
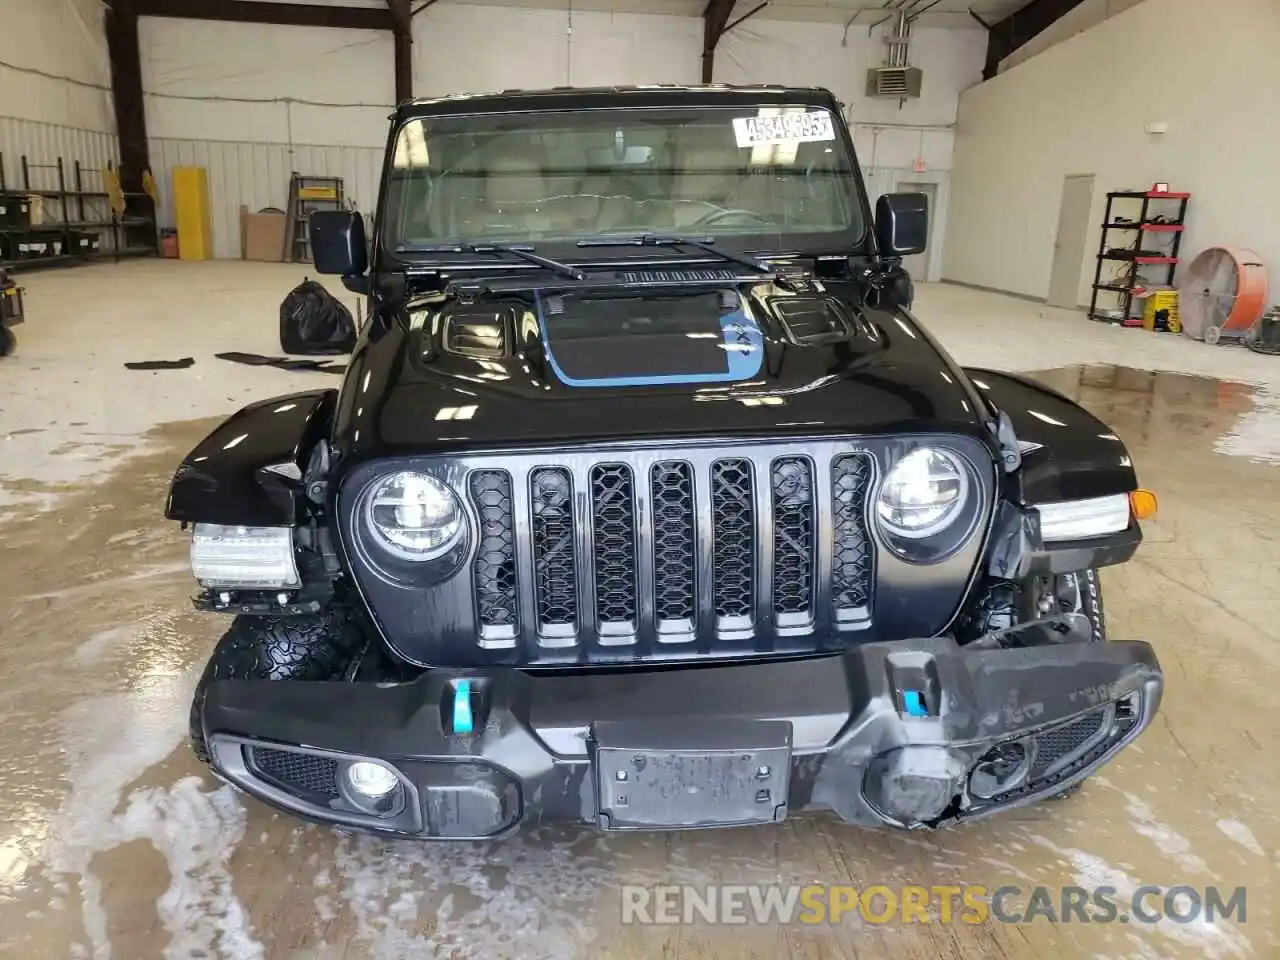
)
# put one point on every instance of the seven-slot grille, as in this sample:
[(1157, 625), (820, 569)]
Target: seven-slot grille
[(700, 549)]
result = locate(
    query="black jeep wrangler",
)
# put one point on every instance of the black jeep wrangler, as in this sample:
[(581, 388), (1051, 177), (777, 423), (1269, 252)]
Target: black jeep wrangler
[(646, 502)]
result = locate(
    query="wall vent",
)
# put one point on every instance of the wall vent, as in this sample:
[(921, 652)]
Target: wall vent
[(894, 82), (895, 79)]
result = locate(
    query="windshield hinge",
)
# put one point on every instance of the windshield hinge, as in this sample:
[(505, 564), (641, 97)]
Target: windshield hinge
[(797, 279)]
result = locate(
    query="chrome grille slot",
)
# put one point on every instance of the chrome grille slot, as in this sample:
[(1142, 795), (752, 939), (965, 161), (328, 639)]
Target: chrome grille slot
[(851, 546), (494, 567), (794, 541), (628, 553), (613, 542), (674, 568), (555, 567), (733, 522)]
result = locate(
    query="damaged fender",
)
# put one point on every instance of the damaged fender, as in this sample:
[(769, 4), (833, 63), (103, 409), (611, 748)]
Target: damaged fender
[(249, 470), (1068, 453)]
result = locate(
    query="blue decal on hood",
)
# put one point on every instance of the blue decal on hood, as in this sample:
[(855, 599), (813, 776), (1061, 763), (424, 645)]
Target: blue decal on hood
[(743, 345)]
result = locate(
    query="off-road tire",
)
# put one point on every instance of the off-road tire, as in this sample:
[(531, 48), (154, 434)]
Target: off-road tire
[(319, 647), (1091, 603), (1090, 588)]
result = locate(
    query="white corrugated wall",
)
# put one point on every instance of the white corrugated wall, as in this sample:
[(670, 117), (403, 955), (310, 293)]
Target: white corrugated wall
[(253, 103), (55, 99), (43, 143), (257, 175)]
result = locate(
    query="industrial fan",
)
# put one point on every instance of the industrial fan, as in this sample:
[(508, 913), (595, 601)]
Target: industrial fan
[(1222, 294)]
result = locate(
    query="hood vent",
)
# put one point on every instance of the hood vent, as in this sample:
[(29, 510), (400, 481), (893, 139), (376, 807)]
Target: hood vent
[(480, 332), (812, 322)]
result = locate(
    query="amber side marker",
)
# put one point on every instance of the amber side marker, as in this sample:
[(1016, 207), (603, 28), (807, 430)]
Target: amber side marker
[(1143, 504)]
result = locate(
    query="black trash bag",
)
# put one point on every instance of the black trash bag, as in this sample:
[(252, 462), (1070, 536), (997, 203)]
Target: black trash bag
[(314, 322)]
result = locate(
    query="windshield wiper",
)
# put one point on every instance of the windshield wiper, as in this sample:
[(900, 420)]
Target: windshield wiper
[(523, 252), (705, 244)]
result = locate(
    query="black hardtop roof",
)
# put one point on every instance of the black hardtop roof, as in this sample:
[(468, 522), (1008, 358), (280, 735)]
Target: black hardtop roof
[(585, 98)]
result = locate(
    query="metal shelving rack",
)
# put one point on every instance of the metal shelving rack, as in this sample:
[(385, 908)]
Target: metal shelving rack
[(1128, 285), (70, 235)]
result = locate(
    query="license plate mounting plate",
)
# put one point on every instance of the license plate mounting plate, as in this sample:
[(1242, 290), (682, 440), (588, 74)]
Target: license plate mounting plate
[(682, 774)]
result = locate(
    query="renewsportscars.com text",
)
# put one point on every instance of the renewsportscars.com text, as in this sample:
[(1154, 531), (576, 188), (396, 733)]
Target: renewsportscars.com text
[(943, 904)]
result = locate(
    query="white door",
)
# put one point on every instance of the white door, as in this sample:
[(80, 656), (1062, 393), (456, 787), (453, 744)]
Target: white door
[(918, 265), (1068, 249)]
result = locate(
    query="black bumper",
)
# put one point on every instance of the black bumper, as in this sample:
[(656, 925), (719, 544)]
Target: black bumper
[(889, 733)]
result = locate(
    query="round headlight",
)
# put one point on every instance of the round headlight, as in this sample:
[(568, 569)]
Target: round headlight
[(416, 516), (923, 493)]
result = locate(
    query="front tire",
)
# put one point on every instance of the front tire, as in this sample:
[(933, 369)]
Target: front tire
[(1078, 592), (319, 647)]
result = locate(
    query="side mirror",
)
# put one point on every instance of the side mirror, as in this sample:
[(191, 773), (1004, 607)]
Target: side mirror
[(338, 246), (902, 224)]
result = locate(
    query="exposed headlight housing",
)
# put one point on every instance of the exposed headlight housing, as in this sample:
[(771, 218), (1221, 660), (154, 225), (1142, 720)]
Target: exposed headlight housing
[(414, 516), (923, 494), (247, 558), (1083, 519)]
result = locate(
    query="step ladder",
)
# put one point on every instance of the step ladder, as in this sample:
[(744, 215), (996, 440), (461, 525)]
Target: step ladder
[(308, 194)]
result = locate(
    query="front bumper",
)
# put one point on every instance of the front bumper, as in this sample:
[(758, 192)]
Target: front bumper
[(890, 733)]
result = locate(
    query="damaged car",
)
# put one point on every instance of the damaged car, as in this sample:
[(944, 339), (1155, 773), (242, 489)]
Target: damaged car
[(647, 502)]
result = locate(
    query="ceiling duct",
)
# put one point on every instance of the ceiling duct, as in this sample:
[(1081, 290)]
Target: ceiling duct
[(894, 79)]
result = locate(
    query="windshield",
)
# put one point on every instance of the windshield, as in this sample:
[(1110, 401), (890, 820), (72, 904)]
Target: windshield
[(770, 176)]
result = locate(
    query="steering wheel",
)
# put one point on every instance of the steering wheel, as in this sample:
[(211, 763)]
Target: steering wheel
[(716, 216)]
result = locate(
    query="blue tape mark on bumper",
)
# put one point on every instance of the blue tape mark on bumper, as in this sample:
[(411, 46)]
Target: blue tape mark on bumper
[(913, 701), (744, 356), (463, 719)]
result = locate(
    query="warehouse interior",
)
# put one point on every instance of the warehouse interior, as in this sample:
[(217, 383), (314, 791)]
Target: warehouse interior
[(1098, 176)]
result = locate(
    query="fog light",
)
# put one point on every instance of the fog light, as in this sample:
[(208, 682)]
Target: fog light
[(1002, 768), (372, 787), (371, 780)]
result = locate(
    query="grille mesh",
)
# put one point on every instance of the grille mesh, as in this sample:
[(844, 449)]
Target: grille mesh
[(793, 536), (495, 564), (725, 550), (851, 560), (299, 773), (1054, 744), (673, 539), (733, 519), (614, 541), (554, 554)]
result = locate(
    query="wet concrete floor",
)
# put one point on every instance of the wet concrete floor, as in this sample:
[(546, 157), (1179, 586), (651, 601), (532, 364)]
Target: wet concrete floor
[(115, 843)]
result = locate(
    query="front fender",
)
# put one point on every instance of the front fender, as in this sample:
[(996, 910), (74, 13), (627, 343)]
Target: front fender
[(1069, 454), (226, 479)]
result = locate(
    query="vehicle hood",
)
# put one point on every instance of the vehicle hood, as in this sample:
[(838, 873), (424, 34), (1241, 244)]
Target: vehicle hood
[(621, 364)]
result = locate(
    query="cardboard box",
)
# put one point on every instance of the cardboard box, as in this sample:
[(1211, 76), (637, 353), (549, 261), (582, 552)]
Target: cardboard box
[(262, 236)]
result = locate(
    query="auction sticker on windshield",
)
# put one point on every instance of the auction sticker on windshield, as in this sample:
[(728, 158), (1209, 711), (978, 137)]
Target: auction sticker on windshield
[(808, 127)]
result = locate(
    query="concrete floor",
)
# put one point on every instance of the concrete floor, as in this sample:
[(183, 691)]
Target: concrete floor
[(114, 843)]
